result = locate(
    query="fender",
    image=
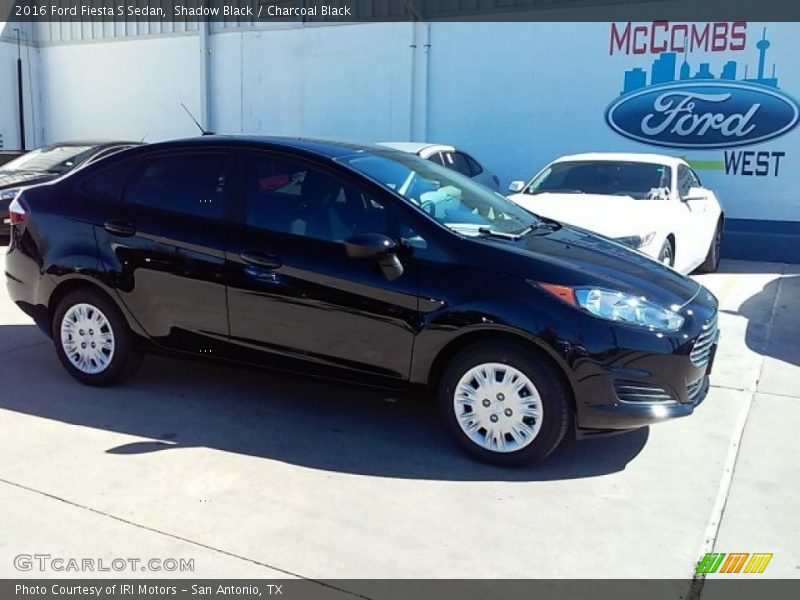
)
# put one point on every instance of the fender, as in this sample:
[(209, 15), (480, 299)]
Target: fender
[(72, 264), (449, 330)]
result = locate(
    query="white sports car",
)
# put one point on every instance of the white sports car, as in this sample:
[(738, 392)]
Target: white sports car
[(651, 202)]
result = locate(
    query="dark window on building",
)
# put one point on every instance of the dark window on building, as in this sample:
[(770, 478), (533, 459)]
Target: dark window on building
[(191, 184)]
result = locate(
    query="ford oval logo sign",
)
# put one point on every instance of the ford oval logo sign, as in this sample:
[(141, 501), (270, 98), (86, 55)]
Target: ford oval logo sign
[(711, 114)]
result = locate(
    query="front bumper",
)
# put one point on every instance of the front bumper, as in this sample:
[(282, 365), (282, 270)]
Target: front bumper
[(633, 388), (618, 417)]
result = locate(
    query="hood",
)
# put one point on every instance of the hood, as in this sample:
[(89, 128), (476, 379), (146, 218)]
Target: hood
[(612, 216), (9, 179), (572, 256)]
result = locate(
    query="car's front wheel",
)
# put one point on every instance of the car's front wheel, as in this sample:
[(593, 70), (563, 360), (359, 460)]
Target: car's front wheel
[(92, 339), (505, 404), (711, 263), (667, 254)]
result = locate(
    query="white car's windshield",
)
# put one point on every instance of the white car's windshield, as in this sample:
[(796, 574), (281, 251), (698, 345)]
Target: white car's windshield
[(49, 159), (643, 181), (449, 197)]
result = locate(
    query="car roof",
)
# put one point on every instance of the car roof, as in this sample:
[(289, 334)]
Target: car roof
[(318, 146), (421, 148), (640, 157)]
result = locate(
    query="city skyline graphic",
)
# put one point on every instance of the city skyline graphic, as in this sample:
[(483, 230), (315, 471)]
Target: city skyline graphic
[(665, 70)]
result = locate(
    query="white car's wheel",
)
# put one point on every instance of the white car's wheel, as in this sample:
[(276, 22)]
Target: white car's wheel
[(667, 254), (711, 263)]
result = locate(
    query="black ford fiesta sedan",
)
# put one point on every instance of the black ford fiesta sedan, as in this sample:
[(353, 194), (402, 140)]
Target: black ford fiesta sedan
[(365, 264)]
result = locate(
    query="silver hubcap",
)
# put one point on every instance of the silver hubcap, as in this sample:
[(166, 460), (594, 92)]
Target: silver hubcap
[(87, 338), (498, 407)]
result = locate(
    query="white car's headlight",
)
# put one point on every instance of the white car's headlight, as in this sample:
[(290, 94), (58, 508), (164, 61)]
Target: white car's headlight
[(618, 306), (636, 241), (9, 194)]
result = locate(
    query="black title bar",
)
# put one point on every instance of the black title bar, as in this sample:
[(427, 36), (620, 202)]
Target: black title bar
[(264, 11)]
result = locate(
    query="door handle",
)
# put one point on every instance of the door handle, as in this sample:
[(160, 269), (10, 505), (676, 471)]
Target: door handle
[(261, 259), (121, 228)]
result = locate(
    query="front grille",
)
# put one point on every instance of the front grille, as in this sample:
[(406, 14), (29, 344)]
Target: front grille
[(634, 391), (701, 353), (693, 389)]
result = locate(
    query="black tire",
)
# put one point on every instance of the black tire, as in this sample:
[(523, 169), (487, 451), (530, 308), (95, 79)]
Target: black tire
[(554, 397), (711, 263), (667, 253), (125, 359)]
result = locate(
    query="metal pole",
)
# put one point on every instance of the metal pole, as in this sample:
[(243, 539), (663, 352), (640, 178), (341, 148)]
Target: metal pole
[(20, 95), (204, 37)]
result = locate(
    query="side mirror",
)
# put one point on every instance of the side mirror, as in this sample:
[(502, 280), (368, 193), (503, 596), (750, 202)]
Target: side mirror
[(370, 245), (515, 187), (379, 246), (694, 193)]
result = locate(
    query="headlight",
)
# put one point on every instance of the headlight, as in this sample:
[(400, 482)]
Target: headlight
[(617, 306), (636, 241), (9, 194)]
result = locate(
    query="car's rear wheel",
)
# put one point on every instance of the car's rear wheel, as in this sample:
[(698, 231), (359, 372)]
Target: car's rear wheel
[(711, 263), (504, 404), (667, 253), (92, 339)]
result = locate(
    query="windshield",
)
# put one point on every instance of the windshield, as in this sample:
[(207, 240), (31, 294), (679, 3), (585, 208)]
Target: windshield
[(449, 197), (50, 159), (642, 181)]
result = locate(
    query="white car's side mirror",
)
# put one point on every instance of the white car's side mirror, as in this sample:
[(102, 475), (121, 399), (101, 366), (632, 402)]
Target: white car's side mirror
[(515, 187), (695, 193)]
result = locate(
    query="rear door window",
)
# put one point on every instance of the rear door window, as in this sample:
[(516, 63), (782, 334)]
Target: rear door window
[(104, 184), (187, 183)]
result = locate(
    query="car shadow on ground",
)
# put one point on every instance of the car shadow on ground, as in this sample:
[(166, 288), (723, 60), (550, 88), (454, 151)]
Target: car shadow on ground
[(177, 403), (772, 329)]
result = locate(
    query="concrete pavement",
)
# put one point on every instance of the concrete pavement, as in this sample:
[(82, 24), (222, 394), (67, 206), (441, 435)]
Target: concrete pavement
[(257, 475)]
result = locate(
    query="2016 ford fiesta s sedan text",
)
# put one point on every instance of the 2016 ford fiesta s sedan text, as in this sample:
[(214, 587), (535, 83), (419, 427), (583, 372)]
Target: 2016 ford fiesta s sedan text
[(365, 264)]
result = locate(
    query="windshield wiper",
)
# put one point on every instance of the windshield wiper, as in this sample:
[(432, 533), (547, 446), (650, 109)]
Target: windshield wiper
[(499, 234)]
